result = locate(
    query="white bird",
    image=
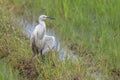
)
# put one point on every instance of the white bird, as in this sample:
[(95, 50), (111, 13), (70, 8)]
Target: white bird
[(39, 41)]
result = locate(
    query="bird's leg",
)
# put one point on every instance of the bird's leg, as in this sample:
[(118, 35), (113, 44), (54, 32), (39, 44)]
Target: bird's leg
[(40, 53), (42, 56), (34, 52)]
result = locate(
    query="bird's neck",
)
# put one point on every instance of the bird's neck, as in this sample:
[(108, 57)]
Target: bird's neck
[(41, 22)]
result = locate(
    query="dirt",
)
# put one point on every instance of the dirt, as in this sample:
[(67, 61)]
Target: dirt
[(115, 73), (4, 51), (79, 49), (27, 69)]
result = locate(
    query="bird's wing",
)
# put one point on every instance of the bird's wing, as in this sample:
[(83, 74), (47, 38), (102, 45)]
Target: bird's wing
[(32, 40), (33, 45), (50, 41)]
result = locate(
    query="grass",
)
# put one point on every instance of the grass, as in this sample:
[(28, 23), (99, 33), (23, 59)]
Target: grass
[(6, 72), (90, 27)]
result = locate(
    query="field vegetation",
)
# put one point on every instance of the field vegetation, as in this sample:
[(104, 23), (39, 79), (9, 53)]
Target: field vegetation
[(90, 28)]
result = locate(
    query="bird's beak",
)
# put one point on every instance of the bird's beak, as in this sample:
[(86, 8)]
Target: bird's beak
[(51, 18)]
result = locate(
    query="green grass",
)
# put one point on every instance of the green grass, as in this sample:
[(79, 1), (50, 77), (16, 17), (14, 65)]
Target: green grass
[(93, 25), (6, 72)]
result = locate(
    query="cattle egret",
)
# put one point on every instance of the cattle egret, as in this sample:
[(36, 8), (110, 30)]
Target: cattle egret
[(39, 41)]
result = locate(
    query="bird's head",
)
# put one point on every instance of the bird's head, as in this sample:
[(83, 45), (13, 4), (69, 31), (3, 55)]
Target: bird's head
[(44, 17)]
